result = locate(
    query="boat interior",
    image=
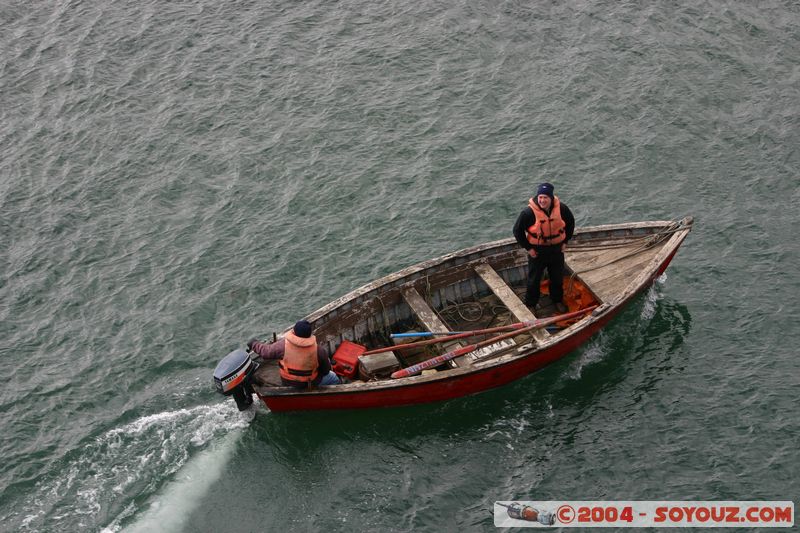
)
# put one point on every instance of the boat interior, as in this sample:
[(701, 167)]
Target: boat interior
[(478, 288), (485, 300)]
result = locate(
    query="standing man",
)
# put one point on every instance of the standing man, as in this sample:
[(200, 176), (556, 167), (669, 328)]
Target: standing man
[(543, 229), (303, 362)]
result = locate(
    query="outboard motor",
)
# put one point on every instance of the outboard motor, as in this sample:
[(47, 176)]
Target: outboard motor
[(232, 377)]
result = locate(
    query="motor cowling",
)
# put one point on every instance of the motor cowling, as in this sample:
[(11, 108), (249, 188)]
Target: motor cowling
[(233, 375)]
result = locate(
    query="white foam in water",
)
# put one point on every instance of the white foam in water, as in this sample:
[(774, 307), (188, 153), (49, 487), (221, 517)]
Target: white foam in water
[(137, 457), (652, 297), (594, 351), (181, 496)]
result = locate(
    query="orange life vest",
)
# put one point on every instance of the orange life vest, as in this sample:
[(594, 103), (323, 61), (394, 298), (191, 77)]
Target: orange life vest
[(299, 361), (548, 229)]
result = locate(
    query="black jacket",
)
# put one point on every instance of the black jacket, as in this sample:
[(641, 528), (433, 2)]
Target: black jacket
[(526, 219)]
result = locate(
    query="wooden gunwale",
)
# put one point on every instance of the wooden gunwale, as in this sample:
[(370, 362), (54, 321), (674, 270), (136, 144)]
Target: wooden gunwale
[(507, 363)]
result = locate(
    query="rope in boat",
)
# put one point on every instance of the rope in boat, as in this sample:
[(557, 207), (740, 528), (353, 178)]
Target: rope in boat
[(461, 308), (648, 241), (386, 327)]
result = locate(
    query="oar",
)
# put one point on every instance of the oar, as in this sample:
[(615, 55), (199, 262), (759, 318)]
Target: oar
[(426, 334), (543, 322), (438, 360), (448, 333)]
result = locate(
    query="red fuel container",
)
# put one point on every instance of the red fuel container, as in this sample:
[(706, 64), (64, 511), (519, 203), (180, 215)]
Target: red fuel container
[(345, 359)]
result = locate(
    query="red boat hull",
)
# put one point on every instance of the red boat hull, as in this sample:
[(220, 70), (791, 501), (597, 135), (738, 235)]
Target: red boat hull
[(402, 392), (432, 391)]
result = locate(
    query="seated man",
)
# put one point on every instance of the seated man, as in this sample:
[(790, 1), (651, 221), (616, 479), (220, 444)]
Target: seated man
[(302, 363)]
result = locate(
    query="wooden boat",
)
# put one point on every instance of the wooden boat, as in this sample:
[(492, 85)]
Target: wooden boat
[(475, 288)]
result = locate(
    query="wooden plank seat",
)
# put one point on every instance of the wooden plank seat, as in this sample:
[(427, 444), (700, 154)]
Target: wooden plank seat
[(431, 321), (509, 298)]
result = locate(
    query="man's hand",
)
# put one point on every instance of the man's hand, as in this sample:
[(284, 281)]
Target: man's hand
[(532, 253)]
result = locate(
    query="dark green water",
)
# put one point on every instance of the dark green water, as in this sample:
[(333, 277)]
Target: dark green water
[(176, 177)]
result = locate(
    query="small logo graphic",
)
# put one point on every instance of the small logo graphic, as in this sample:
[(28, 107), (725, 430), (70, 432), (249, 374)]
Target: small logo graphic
[(566, 514), (529, 514)]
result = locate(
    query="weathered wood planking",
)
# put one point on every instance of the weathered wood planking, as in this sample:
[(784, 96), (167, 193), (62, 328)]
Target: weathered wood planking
[(430, 319), (509, 298), (410, 297), (609, 281), (580, 260), (448, 282)]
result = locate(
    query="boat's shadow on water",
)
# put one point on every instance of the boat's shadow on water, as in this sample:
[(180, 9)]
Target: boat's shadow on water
[(642, 341)]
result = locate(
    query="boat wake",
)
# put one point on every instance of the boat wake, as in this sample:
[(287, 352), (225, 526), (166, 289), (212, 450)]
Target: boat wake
[(598, 348), (652, 298), (594, 351), (172, 506), (112, 477)]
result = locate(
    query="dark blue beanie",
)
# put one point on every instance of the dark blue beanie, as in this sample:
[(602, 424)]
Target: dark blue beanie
[(302, 329), (545, 188)]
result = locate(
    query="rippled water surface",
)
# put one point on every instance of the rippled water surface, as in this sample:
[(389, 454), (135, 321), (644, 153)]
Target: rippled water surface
[(177, 177)]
